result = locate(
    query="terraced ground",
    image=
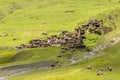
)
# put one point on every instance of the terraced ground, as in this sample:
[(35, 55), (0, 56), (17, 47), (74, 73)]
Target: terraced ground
[(27, 19)]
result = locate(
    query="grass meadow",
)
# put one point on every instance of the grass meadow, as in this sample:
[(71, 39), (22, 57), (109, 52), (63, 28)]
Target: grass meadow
[(24, 20)]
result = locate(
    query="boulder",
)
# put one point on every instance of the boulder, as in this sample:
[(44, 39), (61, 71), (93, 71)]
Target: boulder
[(88, 67)]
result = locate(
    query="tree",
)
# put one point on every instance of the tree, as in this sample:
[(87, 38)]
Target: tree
[(91, 40)]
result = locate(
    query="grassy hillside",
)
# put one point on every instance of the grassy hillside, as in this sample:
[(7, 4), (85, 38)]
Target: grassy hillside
[(108, 57), (37, 55), (28, 56), (29, 19), (25, 20)]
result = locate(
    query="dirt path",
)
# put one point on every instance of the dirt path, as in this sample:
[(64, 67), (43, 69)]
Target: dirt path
[(21, 69), (2, 78), (96, 50), (107, 45)]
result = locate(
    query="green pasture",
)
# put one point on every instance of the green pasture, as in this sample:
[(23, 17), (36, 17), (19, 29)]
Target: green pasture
[(29, 19)]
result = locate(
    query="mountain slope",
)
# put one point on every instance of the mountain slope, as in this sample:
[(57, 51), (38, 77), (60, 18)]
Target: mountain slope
[(107, 57), (30, 18), (25, 20)]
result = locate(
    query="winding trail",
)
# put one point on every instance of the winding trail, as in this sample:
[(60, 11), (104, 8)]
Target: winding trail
[(21, 69), (96, 50)]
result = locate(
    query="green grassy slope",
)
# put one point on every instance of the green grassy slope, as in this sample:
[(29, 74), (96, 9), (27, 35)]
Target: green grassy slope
[(28, 56), (23, 24), (41, 54), (30, 18), (16, 24), (108, 57), (37, 55)]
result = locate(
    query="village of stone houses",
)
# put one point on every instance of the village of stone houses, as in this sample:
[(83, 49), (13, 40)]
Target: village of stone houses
[(59, 39), (70, 39)]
